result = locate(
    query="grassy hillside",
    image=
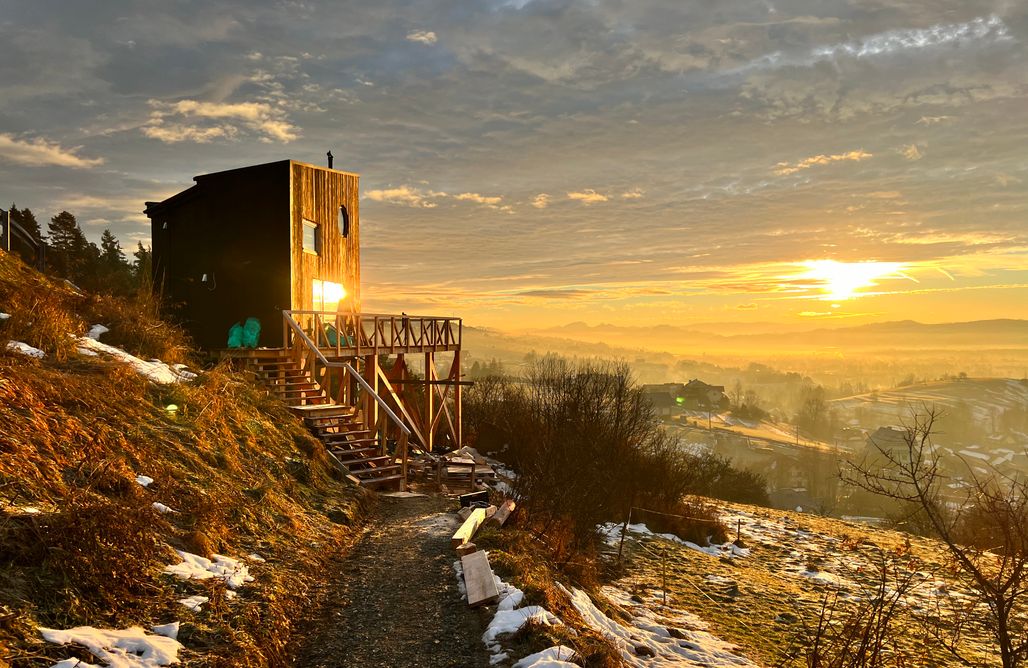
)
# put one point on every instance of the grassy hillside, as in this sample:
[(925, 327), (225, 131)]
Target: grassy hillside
[(83, 542), (767, 597)]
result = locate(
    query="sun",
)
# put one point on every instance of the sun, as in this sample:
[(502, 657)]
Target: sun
[(839, 281)]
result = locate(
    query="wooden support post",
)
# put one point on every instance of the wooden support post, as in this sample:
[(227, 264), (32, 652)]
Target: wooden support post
[(429, 403), (458, 392), (370, 405)]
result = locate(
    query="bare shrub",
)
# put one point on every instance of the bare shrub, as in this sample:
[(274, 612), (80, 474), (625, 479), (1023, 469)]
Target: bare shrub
[(984, 531)]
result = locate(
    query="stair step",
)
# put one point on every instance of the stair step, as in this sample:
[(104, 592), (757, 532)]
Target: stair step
[(368, 460), (378, 481), (332, 442), (343, 454), (377, 469), (323, 412), (290, 383), (295, 391), (324, 433)]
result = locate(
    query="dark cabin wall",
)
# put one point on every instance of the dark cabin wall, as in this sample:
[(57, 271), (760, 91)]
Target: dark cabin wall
[(318, 193), (233, 226)]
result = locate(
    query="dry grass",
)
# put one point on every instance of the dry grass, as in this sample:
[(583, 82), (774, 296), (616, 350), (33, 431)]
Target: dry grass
[(520, 557), (244, 475), (44, 311)]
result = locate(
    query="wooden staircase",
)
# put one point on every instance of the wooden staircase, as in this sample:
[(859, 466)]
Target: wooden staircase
[(339, 427)]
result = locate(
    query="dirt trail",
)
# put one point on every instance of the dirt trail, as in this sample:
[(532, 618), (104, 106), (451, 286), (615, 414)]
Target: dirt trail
[(393, 601)]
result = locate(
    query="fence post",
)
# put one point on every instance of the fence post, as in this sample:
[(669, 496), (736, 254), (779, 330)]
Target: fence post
[(624, 530)]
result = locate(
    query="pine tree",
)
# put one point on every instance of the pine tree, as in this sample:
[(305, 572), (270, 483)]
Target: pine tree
[(111, 255), (114, 272), (142, 268), (27, 220), (73, 256)]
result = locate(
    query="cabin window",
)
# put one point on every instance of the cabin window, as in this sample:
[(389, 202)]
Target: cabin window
[(344, 221), (311, 237), (327, 295)]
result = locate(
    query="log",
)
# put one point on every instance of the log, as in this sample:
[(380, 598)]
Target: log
[(479, 580), (506, 508), (467, 530), (467, 548)]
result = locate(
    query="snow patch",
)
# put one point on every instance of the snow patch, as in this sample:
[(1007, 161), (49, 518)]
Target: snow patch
[(551, 657), (95, 331), (127, 648), (509, 621), (167, 630), (4, 316), (194, 602), (195, 567), (611, 534), (144, 480), (155, 370), (161, 508), (25, 349), (650, 632)]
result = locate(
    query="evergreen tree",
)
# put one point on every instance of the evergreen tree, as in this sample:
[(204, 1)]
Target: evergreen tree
[(27, 220), (142, 268), (72, 257), (111, 255), (114, 272)]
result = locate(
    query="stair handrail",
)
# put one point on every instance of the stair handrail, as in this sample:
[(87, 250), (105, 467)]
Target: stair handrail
[(297, 330)]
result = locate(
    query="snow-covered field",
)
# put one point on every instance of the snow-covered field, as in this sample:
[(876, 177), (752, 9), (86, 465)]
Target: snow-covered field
[(759, 595)]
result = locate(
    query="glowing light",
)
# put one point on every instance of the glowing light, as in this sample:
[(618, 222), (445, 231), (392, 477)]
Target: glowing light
[(840, 281), (327, 295)]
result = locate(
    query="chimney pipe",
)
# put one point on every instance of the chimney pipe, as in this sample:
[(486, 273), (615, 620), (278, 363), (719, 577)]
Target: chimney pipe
[(329, 159)]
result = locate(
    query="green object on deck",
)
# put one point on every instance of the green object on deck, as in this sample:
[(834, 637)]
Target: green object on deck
[(251, 332), (235, 336)]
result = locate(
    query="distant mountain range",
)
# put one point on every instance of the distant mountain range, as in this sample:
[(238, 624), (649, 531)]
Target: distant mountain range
[(1007, 333)]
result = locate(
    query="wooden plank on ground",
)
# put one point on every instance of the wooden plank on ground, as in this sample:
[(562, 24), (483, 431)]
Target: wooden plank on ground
[(467, 530), (478, 579), (506, 508)]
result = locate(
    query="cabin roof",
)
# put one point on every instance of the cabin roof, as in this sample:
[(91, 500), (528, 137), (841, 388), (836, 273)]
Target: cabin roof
[(210, 177)]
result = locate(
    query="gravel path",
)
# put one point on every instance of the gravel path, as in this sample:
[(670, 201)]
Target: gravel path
[(393, 602)]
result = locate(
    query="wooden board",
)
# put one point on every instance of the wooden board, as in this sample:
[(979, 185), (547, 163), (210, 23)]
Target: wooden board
[(467, 530), (478, 579), (506, 508)]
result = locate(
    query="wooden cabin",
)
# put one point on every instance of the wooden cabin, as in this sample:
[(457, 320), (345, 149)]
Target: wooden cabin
[(254, 241), (281, 242)]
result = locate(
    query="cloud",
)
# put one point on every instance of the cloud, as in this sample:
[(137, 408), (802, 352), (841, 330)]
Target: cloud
[(478, 199), (634, 193), (39, 152), (587, 196), (747, 307), (785, 169), (541, 201), (911, 152), (406, 196), (229, 118), (983, 28), (422, 37), (932, 120)]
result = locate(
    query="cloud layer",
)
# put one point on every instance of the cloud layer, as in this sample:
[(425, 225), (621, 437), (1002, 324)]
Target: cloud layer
[(562, 159)]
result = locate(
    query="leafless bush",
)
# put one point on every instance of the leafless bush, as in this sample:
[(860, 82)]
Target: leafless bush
[(984, 530), (866, 635)]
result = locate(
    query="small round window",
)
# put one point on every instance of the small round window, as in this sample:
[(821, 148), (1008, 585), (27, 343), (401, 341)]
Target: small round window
[(344, 222)]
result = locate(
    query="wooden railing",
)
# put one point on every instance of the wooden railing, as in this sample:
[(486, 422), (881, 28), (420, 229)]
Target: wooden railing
[(358, 334), (335, 377)]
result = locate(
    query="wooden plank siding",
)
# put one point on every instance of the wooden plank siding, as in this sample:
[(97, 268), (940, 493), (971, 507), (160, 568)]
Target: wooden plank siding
[(316, 195)]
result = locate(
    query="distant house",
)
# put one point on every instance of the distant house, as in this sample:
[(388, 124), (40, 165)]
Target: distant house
[(671, 399), (663, 402), (887, 444), (697, 395), (255, 241)]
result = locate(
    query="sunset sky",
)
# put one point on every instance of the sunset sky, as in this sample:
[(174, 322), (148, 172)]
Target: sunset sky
[(529, 164)]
